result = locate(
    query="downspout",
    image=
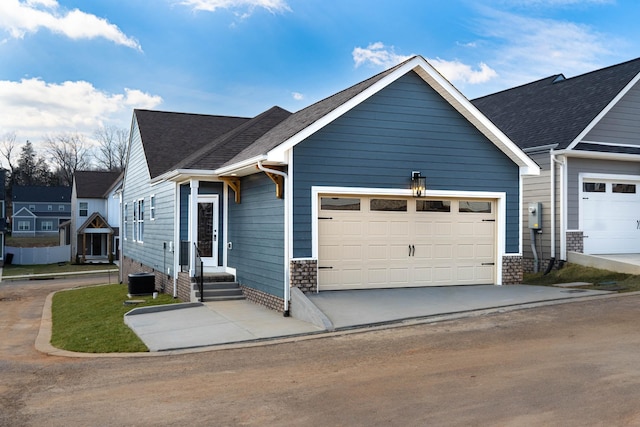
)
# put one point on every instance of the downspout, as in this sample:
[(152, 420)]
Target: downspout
[(286, 233), (554, 160)]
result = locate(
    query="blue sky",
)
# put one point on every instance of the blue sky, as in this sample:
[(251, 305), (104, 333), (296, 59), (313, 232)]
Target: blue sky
[(75, 65)]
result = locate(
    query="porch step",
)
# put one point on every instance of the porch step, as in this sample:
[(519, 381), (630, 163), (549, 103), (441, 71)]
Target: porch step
[(218, 291)]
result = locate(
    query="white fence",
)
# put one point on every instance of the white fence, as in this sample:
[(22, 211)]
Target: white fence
[(47, 255)]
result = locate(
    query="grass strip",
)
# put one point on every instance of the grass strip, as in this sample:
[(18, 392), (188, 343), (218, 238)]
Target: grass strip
[(91, 320)]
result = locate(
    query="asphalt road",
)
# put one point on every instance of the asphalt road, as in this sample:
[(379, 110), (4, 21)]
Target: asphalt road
[(573, 364)]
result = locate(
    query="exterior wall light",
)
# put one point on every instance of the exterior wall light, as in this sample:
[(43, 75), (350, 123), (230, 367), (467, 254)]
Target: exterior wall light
[(418, 184)]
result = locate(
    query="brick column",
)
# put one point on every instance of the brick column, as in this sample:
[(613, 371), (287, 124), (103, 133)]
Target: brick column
[(512, 271), (304, 274), (575, 241)]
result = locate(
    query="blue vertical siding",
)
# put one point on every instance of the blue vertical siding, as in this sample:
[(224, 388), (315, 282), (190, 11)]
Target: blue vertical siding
[(256, 231), (405, 127)]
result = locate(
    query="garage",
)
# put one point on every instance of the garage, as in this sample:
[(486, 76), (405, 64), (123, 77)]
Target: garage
[(609, 215), (385, 242)]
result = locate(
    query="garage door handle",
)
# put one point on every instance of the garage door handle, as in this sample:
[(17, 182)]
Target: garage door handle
[(325, 217), (488, 220), (324, 268), (412, 250), (488, 263)]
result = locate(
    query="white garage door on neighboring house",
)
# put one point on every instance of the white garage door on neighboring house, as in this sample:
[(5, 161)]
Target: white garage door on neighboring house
[(610, 216), (386, 242)]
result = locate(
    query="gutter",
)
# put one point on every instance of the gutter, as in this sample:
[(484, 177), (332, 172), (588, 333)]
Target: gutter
[(287, 215)]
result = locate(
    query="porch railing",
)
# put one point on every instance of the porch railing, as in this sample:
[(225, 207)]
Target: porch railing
[(199, 272)]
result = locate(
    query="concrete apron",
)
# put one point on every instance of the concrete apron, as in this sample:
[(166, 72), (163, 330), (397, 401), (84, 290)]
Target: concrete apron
[(191, 325)]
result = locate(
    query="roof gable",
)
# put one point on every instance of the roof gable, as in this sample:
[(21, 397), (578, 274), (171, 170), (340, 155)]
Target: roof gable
[(556, 111), (273, 145), (167, 137)]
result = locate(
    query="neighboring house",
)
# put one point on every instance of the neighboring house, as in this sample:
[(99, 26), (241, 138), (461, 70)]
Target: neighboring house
[(584, 132), (324, 198), (95, 221), (3, 214), (38, 211)]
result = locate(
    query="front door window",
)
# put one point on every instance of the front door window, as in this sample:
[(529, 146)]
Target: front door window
[(207, 229)]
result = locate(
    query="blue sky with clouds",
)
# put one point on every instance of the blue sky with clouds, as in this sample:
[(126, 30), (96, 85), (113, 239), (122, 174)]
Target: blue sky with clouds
[(76, 65)]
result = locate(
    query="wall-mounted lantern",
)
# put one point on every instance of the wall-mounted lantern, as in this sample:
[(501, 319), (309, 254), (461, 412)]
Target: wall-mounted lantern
[(418, 184)]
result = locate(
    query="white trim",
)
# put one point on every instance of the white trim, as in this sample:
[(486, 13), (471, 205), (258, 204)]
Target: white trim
[(604, 112), (17, 214), (599, 155), (610, 144), (152, 208), (499, 197), (564, 217), (176, 237), (225, 223)]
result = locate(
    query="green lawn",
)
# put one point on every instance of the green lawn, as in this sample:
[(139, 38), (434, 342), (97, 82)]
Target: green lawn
[(91, 320), (601, 279)]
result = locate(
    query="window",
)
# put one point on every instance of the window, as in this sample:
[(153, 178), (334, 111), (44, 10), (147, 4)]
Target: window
[(433, 206), (624, 188), (152, 208), (594, 187), (61, 208), (47, 225), (49, 207), (138, 220), (124, 222), (474, 207), (32, 207), (388, 205), (84, 208), (24, 226), (339, 204)]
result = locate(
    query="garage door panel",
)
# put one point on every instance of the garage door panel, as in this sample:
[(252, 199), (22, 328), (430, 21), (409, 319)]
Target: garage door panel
[(373, 249)]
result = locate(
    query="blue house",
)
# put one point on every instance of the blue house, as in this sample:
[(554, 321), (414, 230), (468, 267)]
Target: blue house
[(39, 210), (397, 181)]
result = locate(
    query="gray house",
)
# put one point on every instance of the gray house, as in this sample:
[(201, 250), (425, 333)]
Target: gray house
[(39, 210), (584, 132), (397, 181)]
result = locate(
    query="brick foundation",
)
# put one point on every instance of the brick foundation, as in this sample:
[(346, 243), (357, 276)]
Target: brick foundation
[(270, 301), (512, 270), (184, 287), (304, 274), (575, 241)]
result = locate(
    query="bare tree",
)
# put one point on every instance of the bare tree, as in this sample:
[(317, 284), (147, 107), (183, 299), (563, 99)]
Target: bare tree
[(31, 169), (112, 149), (8, 151), (68, 153)]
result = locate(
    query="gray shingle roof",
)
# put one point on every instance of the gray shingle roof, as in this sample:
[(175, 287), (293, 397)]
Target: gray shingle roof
[(555, 110), (222, 149), (168, 137), (306, 117), (93, 184), (37, 193)]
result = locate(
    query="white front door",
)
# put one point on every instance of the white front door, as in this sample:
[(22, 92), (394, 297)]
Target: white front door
[(207, 229)]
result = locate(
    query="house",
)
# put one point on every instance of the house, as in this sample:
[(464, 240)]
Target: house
[(95, 221), (584, 133), (330, 197), (39, 210)]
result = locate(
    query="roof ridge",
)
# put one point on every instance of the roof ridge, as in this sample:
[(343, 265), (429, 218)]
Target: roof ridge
[(188, 114)]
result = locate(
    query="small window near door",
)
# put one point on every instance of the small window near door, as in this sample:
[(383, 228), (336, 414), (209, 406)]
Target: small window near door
[(433, 206), (594, 187), (624, 188), (474, 207), (388, 205), (84, 209), (339, 204)]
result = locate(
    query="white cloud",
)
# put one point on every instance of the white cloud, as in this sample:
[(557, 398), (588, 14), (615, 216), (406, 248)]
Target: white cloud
[(21, 17), (33, 108), (379, 55), (273, 6), (532, 48), (297, 96), (456, 71)]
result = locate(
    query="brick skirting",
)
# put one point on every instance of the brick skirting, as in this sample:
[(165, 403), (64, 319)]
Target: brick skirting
[(575, 241), (304, 274), (270, 301), (512, 270)]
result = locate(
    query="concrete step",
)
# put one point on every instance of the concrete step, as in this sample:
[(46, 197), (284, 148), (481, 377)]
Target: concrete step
[(218, 277), (216, 285)]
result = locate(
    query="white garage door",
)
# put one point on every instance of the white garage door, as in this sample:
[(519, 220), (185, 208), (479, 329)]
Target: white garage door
[(385, 242), (610, 216)]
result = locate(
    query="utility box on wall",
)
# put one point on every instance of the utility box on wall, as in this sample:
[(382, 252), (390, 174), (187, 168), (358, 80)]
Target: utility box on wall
[(535, 216)]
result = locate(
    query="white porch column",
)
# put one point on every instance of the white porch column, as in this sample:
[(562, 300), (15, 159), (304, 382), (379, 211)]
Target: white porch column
[(193, 225)]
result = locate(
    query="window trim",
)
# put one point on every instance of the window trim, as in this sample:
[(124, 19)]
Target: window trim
[(86, 209), (21, 223), (49, 223), (124, 221)]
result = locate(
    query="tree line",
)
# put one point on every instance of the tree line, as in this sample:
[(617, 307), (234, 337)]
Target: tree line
[(63, 154)]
